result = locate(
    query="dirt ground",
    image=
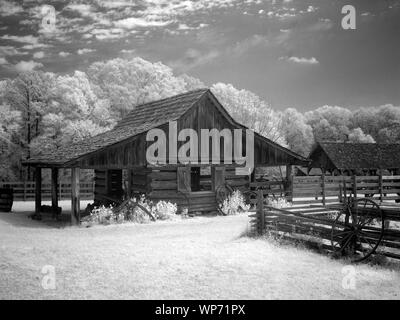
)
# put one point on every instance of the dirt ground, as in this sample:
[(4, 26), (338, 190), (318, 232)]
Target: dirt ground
[(196, 258)]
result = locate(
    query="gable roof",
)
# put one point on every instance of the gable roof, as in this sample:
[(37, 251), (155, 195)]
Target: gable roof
[(359, 155), (141, 119)]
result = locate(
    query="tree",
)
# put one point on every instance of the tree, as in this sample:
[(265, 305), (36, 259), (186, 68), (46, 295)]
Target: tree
[(329, 123), (28, 93), (298, 134), (248, 109), (358, 136), (9, 147), (126, 83)]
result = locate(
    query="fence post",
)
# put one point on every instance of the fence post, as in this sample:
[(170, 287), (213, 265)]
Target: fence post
[(323, 187), (380, 186), (24, 190), (260, 212), (289, 183), (354, 178)]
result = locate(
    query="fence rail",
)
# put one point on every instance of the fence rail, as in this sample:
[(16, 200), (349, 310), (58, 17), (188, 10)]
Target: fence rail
[(313, 225), (25, 191), (330, 189)]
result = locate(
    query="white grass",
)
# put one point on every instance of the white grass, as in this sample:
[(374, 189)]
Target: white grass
[(199, 258)]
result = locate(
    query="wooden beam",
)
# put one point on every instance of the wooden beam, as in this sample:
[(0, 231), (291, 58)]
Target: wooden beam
[(129, 191), (75, 201), (38, 190), (323, 187), (289, 183), (54, 190)]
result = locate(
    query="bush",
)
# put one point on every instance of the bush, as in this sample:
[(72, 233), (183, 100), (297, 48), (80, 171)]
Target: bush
[(279, 202), (234, 204), (164, 210), (132, 211), (103, 215)]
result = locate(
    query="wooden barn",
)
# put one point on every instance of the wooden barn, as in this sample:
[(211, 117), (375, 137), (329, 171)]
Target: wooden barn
[(118, 157), (338, 158)]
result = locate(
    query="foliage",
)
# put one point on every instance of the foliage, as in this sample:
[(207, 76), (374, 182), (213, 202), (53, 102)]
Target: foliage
[(40, 112), (234, 204), (278, 202), (132, 211), (165, 210), (248, 108)]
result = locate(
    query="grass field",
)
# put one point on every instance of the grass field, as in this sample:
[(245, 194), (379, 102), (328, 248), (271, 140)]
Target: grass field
[(197, 258)]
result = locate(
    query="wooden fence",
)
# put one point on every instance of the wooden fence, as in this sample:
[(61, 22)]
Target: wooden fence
[(25, 191), (312, 224), (330, 189)]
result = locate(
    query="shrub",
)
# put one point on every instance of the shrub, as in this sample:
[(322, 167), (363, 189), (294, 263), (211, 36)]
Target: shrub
[(132, 211), (103, 215), (234, 203), (278, 202), (164, 210)]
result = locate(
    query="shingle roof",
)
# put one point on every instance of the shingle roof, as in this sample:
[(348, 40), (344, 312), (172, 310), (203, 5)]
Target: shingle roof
[(141, 119), (362, 155)]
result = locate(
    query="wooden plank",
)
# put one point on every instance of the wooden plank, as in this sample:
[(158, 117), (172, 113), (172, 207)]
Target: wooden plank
[(54, 190), (75, 197), (38, 190)]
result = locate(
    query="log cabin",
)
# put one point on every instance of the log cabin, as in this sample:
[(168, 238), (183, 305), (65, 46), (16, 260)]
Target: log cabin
[(118, 157)]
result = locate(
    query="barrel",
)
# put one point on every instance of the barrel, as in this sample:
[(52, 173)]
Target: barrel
[(6, 199)]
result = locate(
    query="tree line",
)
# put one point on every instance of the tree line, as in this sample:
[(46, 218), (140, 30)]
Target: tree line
[(41, 111)]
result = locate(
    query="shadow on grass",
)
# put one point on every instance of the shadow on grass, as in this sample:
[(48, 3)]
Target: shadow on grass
[(23, 219)]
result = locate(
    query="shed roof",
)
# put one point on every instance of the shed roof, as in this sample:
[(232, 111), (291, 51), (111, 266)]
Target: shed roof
[(141, 119), (359, 155)]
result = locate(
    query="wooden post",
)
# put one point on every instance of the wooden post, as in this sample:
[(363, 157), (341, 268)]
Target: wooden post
[(289, 183), (129, 191), (354, 178), (54, 191), (59, 190), (75, 201), (380, 186), (323, 187), (25, 190), (260, 212), (38, 190)]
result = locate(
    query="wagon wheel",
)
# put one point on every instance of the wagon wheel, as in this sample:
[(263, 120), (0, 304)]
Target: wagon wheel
[(358, 229), (221, 193)]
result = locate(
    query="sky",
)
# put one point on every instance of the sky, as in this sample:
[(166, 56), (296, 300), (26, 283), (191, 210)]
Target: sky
[(292, 53)]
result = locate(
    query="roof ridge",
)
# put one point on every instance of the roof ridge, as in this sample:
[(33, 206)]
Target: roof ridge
[(171, 97)]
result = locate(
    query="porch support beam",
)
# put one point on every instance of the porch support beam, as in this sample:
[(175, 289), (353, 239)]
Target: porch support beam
[(54, 191), (38, 191), (75, 197)]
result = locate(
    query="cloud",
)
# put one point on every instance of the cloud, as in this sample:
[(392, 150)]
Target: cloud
[(254, 41), (10, 51), (30, 39), (8, 8), (63, 54), (194, 58), (131, 23), (305, 61), (84, 51), (30, 65), (39, 55), (107, 34), (3, 61), (82, 9)]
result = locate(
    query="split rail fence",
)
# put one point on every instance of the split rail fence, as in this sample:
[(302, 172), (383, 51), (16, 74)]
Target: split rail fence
[(317, 203)]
